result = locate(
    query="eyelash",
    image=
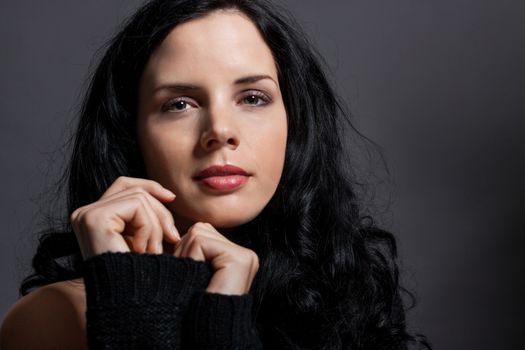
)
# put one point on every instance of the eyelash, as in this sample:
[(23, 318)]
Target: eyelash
[(171, 103), (168, 105), (258, 94)]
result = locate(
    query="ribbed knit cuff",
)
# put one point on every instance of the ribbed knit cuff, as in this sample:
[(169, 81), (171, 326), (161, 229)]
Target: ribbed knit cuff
[(114, 278), (137, 301), (218, 321)]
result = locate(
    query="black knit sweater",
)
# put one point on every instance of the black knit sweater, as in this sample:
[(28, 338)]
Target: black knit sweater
[(145, 301)]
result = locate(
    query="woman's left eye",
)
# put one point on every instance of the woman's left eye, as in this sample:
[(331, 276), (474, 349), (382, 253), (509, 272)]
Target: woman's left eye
[(256, 98), (177, 105)]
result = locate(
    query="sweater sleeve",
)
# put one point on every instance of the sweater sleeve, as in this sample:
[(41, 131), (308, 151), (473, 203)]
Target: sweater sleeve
[(137, 301), (218, 321)]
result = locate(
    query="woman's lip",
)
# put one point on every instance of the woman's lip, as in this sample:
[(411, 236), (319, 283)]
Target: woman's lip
[(221, 170), (224, 183)]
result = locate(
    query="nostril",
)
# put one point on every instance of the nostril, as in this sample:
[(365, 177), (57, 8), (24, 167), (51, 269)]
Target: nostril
[(214, 139)]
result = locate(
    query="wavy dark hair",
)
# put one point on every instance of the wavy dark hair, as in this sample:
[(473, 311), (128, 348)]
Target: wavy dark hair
[(328, 276)]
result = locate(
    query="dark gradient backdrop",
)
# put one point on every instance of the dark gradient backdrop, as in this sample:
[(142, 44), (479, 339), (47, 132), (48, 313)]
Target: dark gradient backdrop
[(440, 85)]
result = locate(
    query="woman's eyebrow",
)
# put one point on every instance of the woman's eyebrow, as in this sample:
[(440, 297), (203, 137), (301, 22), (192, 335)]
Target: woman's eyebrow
[(182, 87), (177, 87), (253, 79)]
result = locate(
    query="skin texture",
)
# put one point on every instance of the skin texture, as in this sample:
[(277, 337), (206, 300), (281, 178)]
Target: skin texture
[(218, 123), (51, 317), (221, 122)]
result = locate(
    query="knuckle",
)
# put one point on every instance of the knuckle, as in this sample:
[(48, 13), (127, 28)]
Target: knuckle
[(139, 201), (152, 184), (121, 180), (90, 219), (73, 219), (198, 225), (79, 213), (139, 190), (156, 185), (140, 193), (74, 215), (192, 231), (251, 259), (197, 239), (190, 234), (253, 255), (255, 262)]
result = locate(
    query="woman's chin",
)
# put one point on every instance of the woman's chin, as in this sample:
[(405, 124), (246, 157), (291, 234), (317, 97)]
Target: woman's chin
[(226, 222), (222, 221)]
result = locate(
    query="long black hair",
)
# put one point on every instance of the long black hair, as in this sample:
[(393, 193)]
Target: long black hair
[(328, 276)]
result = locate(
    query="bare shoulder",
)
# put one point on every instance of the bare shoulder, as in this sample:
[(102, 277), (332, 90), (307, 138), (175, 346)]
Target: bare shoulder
[(51, 317)]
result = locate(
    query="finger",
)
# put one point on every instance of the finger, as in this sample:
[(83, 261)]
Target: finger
[(191, 248), (207, 228), (160, 218), (154, 244), (153, 187), (200, 243), (101, 227), (170, 232), (134, 217), (180, 246), (167, 223), (129, 241), (151, 242)]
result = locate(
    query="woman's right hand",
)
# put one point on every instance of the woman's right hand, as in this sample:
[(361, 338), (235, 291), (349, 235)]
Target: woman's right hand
[(129, 216)]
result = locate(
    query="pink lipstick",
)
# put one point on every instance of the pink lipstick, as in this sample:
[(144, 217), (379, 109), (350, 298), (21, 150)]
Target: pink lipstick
[(222, 177)]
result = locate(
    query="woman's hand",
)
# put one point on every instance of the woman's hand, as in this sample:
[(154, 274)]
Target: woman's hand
[(235, 266), (128, 216)]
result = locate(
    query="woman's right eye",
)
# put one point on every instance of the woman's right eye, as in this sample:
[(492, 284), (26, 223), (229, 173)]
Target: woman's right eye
[(176, 105)]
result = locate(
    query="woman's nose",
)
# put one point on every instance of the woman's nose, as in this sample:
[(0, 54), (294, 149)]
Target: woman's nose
[(220, 130)]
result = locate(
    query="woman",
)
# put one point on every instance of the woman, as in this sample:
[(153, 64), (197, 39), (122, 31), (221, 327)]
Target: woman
[(207, 202)]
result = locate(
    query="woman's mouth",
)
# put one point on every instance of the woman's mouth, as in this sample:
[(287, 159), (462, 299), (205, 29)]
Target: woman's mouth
[(222, 177), (225, 182)]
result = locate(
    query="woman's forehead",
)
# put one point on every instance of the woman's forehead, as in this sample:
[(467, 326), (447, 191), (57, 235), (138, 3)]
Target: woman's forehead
[(223, 42)]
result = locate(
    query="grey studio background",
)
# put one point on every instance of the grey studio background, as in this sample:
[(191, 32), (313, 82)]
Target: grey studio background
[(440, 85)]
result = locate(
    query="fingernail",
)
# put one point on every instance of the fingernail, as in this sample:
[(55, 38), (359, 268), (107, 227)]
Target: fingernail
[(175, 232), (168, 192), (160, 247)]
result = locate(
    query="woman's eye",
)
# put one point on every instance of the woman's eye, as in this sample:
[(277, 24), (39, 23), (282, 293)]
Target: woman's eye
[(256, 99), (176, 105)]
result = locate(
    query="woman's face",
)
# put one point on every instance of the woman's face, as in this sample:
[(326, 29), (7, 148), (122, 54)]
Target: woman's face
[(209, 96)]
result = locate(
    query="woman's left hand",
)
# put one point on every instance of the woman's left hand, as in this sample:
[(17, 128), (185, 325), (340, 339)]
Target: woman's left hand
[(234, 266)]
